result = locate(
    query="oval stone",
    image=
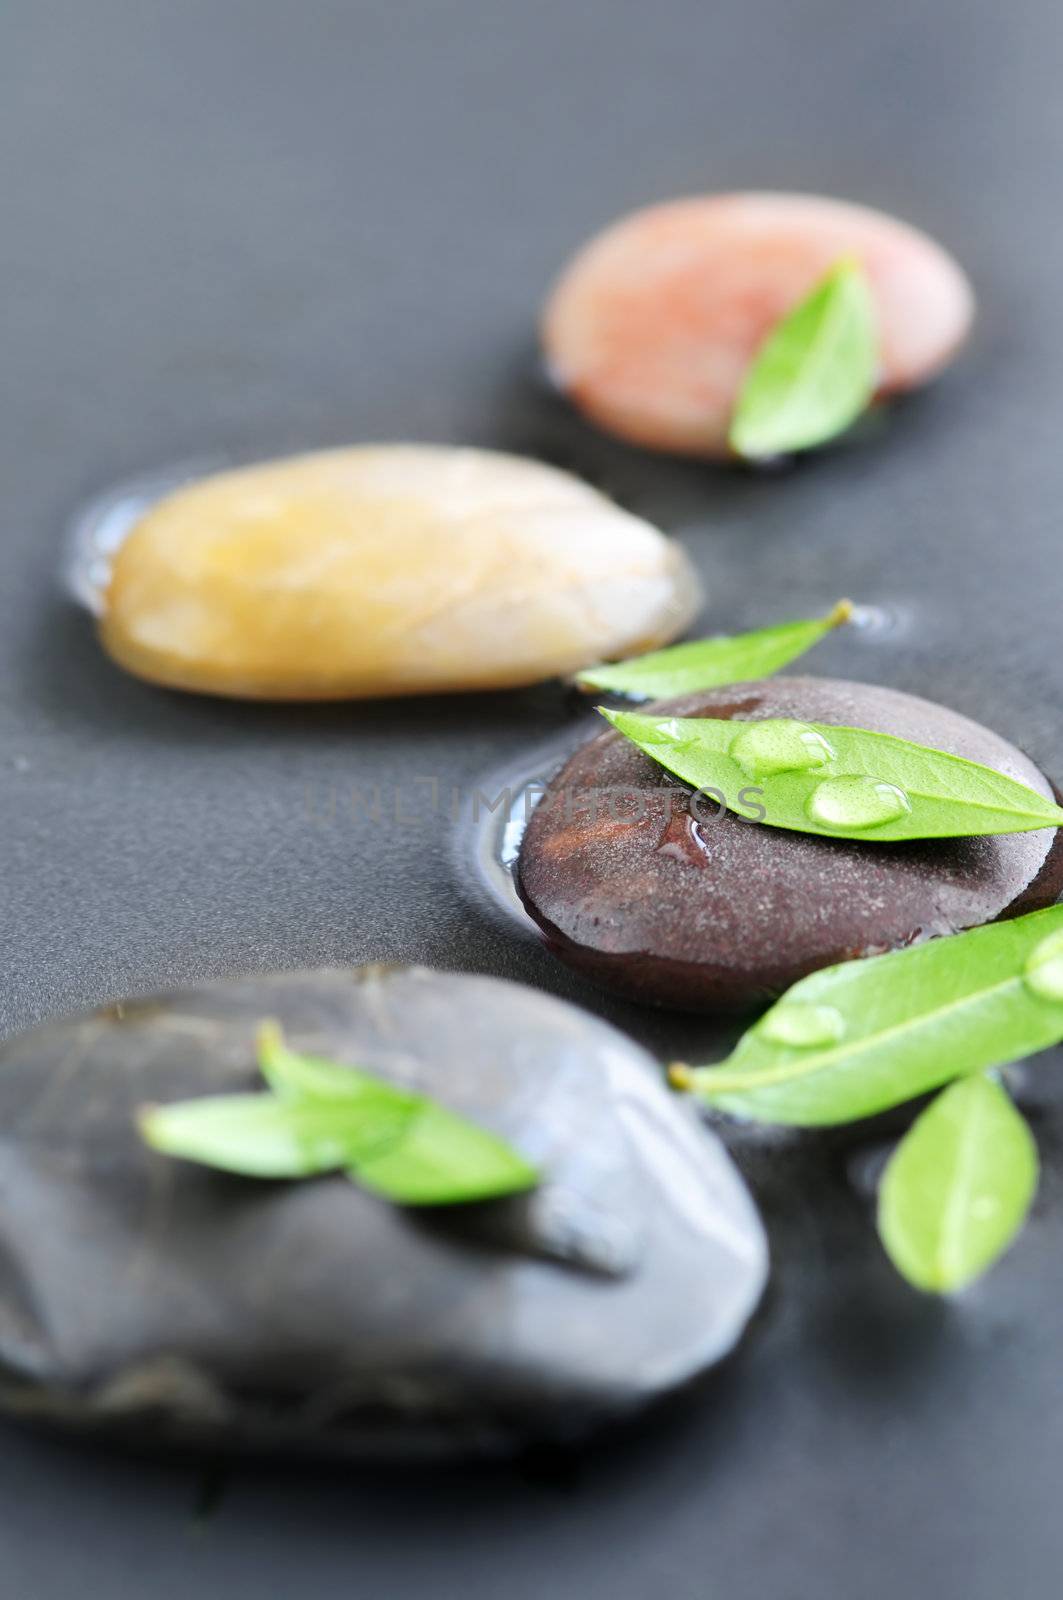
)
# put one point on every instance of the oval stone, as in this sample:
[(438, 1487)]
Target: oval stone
[(652, 327), (165, 1300), (388, 570), (711, 912)]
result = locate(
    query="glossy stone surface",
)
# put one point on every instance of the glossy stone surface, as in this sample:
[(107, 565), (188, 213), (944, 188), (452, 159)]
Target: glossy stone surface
[(651, 328), (388, 570), (178, 1304), (719, 913)]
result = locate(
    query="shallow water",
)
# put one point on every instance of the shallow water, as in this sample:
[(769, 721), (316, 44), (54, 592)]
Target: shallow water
[(889, 621), (100, 526), (486, 842)]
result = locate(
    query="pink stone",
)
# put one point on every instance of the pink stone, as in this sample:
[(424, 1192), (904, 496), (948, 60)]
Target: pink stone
[(652, 326)]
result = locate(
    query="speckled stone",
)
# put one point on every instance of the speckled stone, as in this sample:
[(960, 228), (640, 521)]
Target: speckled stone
[(652, 327), (725, 914), (388, 570), (178, 1304)]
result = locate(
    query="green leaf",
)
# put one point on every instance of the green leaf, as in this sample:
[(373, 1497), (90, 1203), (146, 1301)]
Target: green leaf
[(442, 1160), (708, 663), (293, 1076), (815, 372), (958, 1187), (896, 1026), (844, 783), (260, 1137), (323, 1117)]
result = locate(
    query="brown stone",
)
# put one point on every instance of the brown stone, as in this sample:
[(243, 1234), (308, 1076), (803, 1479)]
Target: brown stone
[(726, 914)]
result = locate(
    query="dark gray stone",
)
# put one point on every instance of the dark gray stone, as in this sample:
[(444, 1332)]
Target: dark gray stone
[(164, 1300)]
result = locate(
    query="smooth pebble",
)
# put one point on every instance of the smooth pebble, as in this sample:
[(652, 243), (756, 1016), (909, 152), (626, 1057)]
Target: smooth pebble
[(721, 913), (388, 570), (652, 327), (176, 1304)]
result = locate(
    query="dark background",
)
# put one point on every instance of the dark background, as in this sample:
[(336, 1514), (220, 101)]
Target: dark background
[(249, 226)]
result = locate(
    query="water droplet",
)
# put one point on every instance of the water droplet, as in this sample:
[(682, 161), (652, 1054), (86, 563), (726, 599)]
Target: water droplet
[(670, 733), (1043, 973), (764, 748), (684, 841), (856, 802), (881, 621), (803, 1025)]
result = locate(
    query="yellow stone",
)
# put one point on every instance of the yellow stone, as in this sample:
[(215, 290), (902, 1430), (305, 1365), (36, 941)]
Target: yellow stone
[(388, 570)]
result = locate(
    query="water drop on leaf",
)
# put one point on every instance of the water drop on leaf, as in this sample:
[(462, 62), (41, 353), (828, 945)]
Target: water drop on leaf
[(1043, 973), (668, 732), (763, 749), (803, 1025), (856, 802)]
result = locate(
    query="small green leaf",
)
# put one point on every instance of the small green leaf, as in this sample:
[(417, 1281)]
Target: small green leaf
[(323, 1117), (441, 1160), (958, 1187), (899, 1026), (844, 783), (708, 663), (261, 1137), (815, 372)]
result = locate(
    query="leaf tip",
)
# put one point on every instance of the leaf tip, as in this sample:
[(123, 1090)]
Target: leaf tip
[(526, 1176), (146, 1119), (269, 1042), (680, 1076), (840, 614), (848, 265), (743, 444)]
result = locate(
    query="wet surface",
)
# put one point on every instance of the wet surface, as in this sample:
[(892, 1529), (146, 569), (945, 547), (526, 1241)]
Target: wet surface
[(722, 912), (248, 229), (98, 529), (490, 830)]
